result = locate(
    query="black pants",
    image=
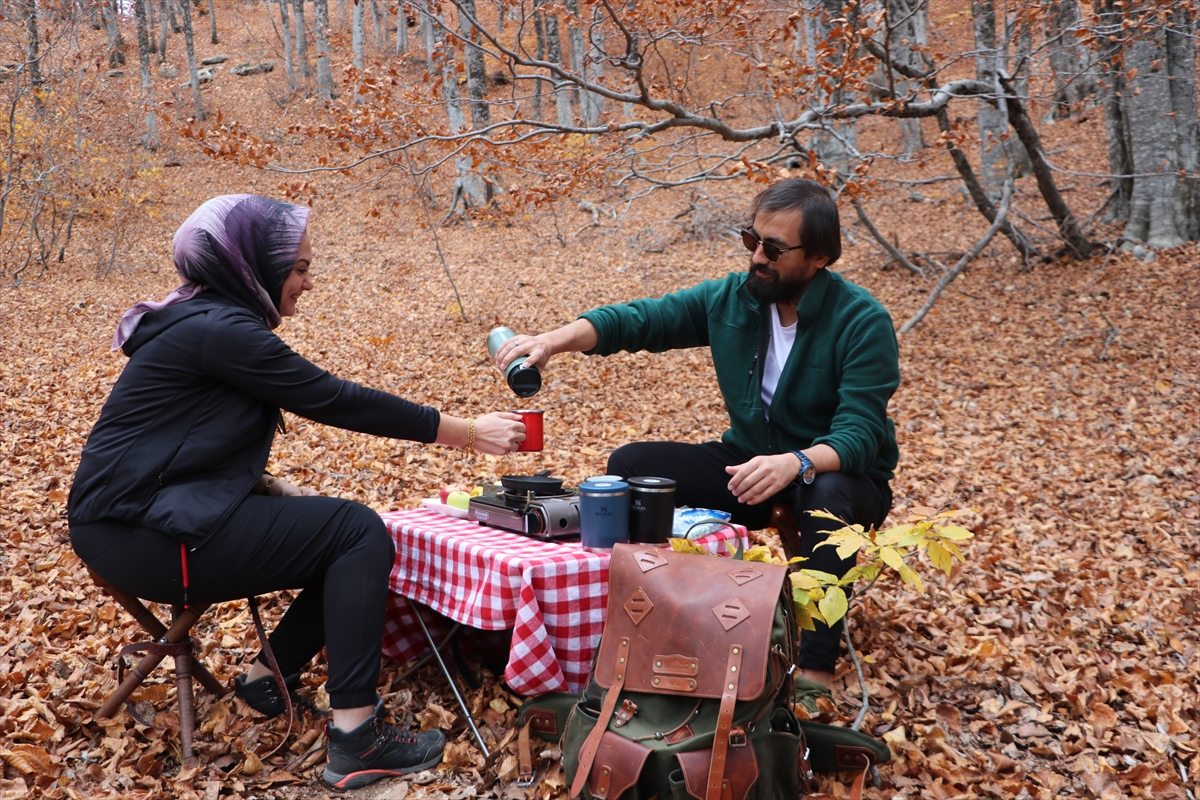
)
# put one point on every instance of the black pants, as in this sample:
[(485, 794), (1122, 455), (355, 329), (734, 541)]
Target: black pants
[(702, 482), (337, 552)]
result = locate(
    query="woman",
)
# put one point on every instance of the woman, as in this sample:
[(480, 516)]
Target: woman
[(171, 502)]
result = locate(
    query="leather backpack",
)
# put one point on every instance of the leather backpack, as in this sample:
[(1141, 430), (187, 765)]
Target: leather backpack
[(689, 695)]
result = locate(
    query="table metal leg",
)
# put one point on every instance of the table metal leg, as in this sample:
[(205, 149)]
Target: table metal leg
[(425, 659), (462, 703)]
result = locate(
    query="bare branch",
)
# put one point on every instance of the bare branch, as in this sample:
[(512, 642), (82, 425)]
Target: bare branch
[(892, 250), (944, 281)]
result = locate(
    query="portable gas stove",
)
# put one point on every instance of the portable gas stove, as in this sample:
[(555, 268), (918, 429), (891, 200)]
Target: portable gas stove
[(549, 517)]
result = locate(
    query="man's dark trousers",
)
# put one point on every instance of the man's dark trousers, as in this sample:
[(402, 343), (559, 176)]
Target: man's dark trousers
[(702, 482)]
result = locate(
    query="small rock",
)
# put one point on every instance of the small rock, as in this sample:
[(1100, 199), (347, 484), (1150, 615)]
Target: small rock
[(115, 73), (253, 69), (1009, 288), (168, 71), (1151, 480), (995, 320), (1037, 577), (208, 62), (1138, 251), (916, 197)]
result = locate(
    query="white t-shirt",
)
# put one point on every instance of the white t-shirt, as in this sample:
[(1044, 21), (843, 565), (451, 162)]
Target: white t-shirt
[(778, 350)]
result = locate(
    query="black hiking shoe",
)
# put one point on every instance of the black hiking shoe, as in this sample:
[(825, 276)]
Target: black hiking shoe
[(263, 696), (377, 750)]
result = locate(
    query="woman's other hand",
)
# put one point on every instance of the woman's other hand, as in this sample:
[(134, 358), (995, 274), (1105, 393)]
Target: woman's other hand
[(285, 489), (498, 433)]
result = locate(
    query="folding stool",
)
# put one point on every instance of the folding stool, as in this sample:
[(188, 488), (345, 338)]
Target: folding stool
[(174, 641)]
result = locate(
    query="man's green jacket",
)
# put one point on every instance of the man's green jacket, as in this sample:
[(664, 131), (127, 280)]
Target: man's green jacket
[(835, 386)]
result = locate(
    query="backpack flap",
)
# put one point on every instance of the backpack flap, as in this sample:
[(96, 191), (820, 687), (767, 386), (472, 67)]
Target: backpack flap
[(681, 615), (617, 765), (740, 772)]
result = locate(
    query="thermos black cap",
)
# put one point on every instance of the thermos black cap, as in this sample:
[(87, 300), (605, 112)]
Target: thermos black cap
[(525, 381)]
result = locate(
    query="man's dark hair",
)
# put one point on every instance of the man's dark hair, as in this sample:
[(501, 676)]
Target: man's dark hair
[(820, 228)]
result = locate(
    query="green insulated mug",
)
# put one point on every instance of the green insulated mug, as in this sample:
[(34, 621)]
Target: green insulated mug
[(523, 380)]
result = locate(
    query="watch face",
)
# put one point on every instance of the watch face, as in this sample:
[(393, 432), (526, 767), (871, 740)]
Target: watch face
[(809, 474)]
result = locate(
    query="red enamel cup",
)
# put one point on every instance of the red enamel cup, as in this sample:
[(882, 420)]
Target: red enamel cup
[(533, 430)]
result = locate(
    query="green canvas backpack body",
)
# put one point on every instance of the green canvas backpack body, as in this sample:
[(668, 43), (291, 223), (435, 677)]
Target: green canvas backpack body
[(689, 696)]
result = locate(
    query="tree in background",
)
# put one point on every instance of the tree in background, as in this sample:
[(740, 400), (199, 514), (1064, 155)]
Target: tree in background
[(658, 96)]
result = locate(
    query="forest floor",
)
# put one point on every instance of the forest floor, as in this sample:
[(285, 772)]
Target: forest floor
[(1053, 403)]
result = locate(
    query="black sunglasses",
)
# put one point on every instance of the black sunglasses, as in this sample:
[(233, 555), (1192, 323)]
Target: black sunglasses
[(771, 251)]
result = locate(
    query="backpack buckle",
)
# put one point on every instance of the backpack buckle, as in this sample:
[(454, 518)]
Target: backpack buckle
[(737, 737)]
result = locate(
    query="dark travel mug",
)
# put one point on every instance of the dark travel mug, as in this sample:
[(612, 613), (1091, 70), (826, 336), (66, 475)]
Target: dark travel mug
[(603, 514), (651, 509)]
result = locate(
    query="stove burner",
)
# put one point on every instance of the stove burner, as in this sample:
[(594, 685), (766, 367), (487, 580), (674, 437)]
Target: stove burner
[(547, 517)]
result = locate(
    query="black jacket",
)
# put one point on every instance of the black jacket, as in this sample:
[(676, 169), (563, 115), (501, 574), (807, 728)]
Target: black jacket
[(187, 430)]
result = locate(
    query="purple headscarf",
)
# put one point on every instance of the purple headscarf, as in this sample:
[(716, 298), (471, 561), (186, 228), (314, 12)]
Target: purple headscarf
[(240, 246)]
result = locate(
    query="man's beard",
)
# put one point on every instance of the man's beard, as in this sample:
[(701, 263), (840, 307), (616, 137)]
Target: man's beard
[(768, 286)]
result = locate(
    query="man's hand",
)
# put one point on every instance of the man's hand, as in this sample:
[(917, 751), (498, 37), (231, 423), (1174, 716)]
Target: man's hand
[(762, 477), (575, 337), (536, 347)]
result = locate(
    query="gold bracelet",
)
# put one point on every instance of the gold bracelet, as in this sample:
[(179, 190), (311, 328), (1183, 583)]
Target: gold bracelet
[(270, 483), (470, 434)]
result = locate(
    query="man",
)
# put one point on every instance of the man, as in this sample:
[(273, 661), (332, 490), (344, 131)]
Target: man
[(806, 362)]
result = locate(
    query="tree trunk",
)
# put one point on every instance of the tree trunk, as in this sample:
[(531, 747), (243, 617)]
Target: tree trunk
[(175, 26), (162, 31), (539, 27), (562, 92), (1074, 80), (835, 145), (116, 44), (469, 188), (380, 26), (32, 55), (285, 33), (139, 9), (481, 115), (904, 40), (1160, 114), (356, 33), (301, 36), (576, 47), (1120, 162), (401, 30), (189, 41), (995, 147), (324, 69), (593, 104), (427, 34), (212, 21)]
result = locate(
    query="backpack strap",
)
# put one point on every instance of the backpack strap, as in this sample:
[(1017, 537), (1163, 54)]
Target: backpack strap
[(587, 753), (716, 770), (544, 716)]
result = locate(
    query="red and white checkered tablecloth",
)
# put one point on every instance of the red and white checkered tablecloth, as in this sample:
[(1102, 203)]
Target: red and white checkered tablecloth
[(553, 595)]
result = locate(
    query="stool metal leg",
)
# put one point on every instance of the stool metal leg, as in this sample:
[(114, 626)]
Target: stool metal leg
[(462, 704)]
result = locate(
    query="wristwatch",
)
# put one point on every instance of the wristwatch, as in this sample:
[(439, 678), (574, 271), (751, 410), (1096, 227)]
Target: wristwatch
[(808, 470)]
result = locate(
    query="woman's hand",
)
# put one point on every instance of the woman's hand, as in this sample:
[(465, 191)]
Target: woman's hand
[(498, 433), (284, 489), (275, 487)]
